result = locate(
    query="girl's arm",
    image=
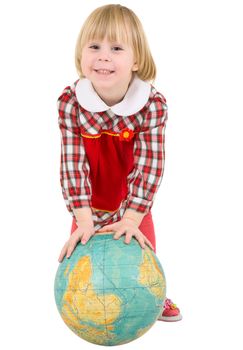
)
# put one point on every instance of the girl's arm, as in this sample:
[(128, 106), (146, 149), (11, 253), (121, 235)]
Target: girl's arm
[(149, 157), (134, 216), (74, 169), (74, 172), (83, 214)]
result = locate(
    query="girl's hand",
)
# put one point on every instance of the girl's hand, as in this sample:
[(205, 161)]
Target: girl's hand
[(129, 228), (84, 231)]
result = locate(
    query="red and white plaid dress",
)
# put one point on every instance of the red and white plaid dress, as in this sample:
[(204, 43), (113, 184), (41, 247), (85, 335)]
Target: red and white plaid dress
[(112, 158)]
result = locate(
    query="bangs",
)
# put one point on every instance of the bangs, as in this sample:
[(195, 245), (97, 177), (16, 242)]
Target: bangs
[(110, 24)]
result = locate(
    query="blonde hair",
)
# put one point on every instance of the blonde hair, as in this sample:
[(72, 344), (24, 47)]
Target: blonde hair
[(118, 23)]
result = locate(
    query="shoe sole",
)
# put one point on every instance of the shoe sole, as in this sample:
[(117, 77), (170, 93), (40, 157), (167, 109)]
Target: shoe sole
[(170, 319)]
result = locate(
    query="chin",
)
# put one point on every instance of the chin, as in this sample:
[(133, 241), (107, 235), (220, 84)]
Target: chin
[(104, 83)]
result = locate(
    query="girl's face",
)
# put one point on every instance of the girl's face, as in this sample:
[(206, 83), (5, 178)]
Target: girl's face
[(108, 65)]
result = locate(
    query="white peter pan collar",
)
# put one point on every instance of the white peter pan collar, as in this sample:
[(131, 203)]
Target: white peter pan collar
[(135, 99)]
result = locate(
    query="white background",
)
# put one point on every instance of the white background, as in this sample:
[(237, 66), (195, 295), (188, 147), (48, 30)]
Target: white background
[(197, 46)]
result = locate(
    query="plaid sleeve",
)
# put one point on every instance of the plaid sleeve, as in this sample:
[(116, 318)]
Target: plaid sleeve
[(74, 168), (149, 156)]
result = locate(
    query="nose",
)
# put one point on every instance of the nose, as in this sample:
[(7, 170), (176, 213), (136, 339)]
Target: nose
[(105, 59), (104, 55)]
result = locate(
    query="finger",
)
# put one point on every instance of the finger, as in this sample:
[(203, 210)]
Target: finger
[(118, 234), (63, 252), (147, 241), (85, 238), (140, 241), (61, 256), (71, 247), (128, 238)]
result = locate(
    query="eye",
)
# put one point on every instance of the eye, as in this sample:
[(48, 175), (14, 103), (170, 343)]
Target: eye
[(94, 46), (117, 48)]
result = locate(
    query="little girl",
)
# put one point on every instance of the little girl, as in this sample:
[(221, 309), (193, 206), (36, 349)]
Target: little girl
[(112, 122)]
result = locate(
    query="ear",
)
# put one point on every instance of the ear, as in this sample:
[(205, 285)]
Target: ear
[(135, 67)]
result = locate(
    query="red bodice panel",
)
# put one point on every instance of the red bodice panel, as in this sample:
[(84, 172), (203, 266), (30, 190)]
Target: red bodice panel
[(110, 161)]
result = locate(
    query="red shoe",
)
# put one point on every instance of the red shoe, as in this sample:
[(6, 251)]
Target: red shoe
[(170, 313)]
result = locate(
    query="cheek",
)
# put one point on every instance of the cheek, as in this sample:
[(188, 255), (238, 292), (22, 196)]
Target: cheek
[(85, 62), (126, 64)]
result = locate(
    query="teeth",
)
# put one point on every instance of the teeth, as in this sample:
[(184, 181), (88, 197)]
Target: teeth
[(103, 71)]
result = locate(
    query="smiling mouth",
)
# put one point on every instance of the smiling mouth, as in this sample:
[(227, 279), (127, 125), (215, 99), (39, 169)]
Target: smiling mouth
[(104, 71)]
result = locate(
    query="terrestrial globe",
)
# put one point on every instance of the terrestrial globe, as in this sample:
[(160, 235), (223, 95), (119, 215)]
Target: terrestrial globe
[(109, 292)]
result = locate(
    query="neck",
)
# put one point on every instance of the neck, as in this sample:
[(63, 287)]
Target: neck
[(113, 96), (111, 99)]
